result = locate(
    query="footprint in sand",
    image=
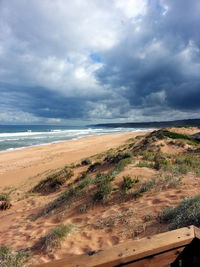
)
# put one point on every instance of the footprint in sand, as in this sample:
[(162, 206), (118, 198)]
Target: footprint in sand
[(77, 220), (86, 235), (115, 240), (157, 201)]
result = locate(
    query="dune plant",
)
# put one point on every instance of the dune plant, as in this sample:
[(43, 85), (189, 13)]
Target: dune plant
[(4, 201), (184, 214), (56, 236), (54, 181), (128, 183), (68, 196), (8, 258)]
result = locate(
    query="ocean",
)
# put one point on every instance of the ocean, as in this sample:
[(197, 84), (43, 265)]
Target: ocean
[(15, 137)]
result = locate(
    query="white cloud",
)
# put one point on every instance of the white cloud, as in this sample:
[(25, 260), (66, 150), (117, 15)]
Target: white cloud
[(115, 58), (132, 8)]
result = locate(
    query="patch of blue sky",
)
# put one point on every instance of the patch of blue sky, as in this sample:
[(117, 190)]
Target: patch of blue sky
[(96, 57)]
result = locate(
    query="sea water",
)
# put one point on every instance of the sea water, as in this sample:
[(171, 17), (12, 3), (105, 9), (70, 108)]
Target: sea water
[(13, 137)]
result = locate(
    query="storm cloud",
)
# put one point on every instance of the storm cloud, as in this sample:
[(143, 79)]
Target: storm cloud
[(99, 60)]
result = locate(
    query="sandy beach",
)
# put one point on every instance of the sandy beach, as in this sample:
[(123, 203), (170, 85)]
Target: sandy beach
[(19, 166), (97, 225)]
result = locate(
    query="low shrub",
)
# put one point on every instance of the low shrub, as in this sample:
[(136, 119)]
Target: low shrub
[(185, 214), (128, 183), (147, 217), (12, 259), (161, 161), (53, 182), (86, 162), (4, 201), (68, 196), (103, 192), (4, 197), (143, 164), (121, 165), (94, 166), (56, 236), (148, 185), (114, 159)]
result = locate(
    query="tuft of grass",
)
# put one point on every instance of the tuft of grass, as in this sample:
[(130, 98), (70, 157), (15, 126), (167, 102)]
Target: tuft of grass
[(185, 214), (181, 163), (104, 187), (147, 217), (147, 185), (93, 167), (86, 162), (161, 161), (128, 183), (144, 163), (56, 236), (83, 208), (116, 158), (68, 196), (103, 192), (12, 259), (4, 196), (147, 155), (4, 201), (54, 181), (121, 166)]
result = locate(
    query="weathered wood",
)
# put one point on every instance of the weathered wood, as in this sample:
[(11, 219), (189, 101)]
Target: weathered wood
[(196, 232), (157, 260), (133, 251)]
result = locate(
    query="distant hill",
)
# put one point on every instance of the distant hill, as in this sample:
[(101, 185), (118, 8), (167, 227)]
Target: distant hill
[(155, 124)]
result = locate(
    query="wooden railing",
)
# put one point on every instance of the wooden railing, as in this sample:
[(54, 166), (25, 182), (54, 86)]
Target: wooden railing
[(175, 248)]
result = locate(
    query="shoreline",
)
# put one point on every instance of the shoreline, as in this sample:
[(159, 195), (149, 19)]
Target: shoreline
[(11, 149), (19, 166)]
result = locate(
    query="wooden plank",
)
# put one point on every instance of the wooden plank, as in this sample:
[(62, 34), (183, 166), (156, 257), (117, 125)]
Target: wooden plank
[(131, 250), (196, 232), (159, 260)]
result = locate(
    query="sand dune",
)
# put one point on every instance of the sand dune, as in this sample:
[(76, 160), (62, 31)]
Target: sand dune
[(18, 166), (101, 225)]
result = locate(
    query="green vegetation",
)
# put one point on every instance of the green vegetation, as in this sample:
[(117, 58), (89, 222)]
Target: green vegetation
[(93, 167), (121, 165), (147, 155), (144, 163), (173, 135), (104, 188), (86, 162), (116, 158), (185, 214), (68, 196), (12, 259), (103, 192), (4, 201), (54, 181), (180, 164), (56, 236), (147, 217), (83, 208), (146, 186), (161, 183), (4, 197), (161, 161), (128, 183)]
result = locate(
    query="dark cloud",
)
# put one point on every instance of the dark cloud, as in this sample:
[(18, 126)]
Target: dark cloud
[(129, 60), (41, 102), (163, 57)]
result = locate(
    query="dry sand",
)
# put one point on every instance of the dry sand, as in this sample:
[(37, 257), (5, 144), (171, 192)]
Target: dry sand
[(101, 226), (17, 167)]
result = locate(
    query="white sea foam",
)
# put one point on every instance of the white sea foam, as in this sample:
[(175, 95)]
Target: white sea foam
[(19, 140)]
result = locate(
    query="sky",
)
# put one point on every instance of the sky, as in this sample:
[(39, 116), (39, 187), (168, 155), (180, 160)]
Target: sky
[(80, 61)]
